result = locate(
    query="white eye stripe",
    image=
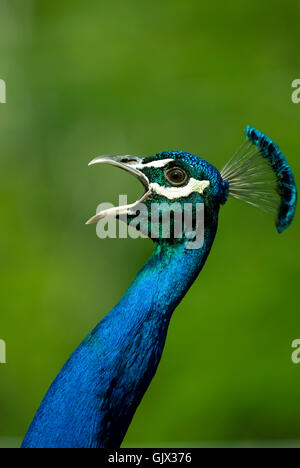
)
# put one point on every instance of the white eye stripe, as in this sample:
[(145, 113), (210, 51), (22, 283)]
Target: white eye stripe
[(157, 164), (177, 192)]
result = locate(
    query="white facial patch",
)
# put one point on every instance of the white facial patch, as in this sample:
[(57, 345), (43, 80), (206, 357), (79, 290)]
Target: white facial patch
[(178, 192)]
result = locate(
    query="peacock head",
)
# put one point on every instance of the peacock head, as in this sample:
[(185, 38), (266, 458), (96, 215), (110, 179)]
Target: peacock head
[(179, 183), (180, 190)]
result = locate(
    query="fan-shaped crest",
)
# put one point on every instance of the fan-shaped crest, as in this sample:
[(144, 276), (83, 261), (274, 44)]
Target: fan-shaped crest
[(259, 174)]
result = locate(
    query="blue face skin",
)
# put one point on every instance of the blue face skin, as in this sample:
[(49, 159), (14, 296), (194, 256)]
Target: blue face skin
[(192, 167)]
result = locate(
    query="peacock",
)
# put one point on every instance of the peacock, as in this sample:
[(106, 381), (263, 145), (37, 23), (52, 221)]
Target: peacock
[(93, 399)]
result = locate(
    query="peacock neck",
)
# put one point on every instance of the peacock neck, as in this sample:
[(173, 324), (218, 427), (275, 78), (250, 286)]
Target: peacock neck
[(166, 277), (93, 399)]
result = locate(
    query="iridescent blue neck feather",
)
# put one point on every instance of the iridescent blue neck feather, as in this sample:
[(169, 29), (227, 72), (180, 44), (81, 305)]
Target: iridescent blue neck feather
[(92, 401)]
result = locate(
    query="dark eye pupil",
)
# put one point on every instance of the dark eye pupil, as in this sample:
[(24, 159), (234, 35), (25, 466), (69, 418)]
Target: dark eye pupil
[(176, 176)]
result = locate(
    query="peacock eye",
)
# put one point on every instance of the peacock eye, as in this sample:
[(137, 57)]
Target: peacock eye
[(176, 176)]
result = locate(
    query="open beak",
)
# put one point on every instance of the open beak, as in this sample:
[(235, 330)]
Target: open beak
[(129, 164)]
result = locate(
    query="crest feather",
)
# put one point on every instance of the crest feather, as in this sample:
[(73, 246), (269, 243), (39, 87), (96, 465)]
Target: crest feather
[(259, 174)]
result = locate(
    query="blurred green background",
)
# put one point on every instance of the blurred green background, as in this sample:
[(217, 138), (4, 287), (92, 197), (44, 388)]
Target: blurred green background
[(116, 77)]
